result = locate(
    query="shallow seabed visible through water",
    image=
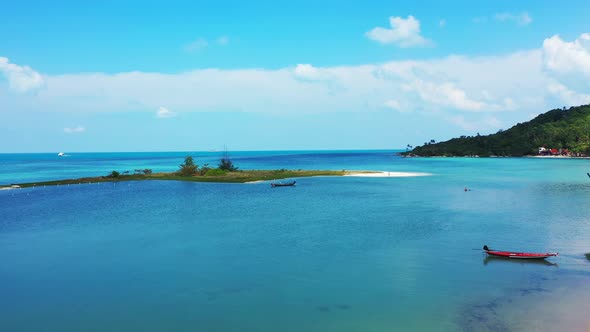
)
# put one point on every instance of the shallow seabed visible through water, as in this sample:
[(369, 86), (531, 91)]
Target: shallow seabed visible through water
[(330, 254)]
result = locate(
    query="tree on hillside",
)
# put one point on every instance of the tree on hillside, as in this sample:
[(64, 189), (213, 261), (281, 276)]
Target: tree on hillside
[(556, 129), (188, 168)]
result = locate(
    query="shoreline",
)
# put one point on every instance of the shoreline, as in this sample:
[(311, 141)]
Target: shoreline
[(497, 157), (246, 176), (557, 157)]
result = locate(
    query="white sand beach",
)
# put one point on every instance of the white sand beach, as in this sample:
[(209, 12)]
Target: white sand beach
[(370, 174), (14, 186)]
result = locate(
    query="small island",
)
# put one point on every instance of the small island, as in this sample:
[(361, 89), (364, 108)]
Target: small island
[(556, 133), (225, 172)]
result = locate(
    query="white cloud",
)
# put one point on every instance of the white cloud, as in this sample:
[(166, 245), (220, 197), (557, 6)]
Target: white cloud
[(452, 84), (393, 104), (396, 106), (485, 123), (73, 130), (20, 78), (196, 46), (522, 18), (164, 113), (468, 84), (223, 40), (307, 72), (466, 91), (445, 94), (568, 96), (403, 32), (564, 57)]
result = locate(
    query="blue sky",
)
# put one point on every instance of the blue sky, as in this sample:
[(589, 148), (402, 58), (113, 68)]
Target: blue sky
[(197, 75)]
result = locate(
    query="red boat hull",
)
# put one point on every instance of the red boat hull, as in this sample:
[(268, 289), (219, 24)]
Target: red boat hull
[(520, 255)]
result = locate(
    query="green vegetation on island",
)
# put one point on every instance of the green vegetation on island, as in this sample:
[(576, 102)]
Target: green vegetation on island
[(559, 131), (189, 171), (213, 175)]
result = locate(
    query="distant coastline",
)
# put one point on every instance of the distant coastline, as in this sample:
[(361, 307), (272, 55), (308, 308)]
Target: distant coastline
[(556, 133), (494, 156)]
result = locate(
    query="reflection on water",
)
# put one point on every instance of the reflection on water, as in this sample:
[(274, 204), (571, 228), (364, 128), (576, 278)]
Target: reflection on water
[(504, 260), (557, 303)]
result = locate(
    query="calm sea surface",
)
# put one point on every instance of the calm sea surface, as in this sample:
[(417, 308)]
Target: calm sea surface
[(331, 254)]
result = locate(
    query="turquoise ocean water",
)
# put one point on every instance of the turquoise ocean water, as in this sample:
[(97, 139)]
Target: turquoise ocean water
[(331, 254)]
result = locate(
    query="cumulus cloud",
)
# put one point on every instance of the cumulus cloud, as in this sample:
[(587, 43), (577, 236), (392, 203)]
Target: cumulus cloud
[(521, 19), (564, 57), (74, 130), (445, 94), (465, 91), (403, 33), (20, 78), (164, 113), (474, 84), (446, 85), (307, 72), (567, 95)]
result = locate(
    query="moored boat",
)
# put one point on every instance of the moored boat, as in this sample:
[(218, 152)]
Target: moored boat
[(489, 259), (519, 255), (283, 184)]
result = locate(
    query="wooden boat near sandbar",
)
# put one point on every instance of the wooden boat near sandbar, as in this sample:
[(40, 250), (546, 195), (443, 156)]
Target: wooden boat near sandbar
[(283, 184), (518, 255)]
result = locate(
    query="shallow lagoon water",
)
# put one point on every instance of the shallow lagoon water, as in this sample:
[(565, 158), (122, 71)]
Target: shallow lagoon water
[(331, 254)]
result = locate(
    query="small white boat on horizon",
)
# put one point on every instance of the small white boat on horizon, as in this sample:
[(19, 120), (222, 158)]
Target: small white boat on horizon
[(61, 154)]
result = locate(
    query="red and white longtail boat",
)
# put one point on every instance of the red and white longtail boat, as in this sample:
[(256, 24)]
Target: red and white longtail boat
[(520, 255)]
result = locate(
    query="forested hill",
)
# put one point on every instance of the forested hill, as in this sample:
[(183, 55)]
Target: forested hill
[(557, 129)]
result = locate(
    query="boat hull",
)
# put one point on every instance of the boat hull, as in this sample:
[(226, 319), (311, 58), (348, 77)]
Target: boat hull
[(288, 184), (520, 255)]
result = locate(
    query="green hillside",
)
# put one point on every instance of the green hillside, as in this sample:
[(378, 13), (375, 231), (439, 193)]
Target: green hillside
[(556, 129)]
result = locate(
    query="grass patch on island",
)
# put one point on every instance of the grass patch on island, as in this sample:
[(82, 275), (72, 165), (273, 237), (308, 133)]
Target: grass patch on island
[(212, 175)]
